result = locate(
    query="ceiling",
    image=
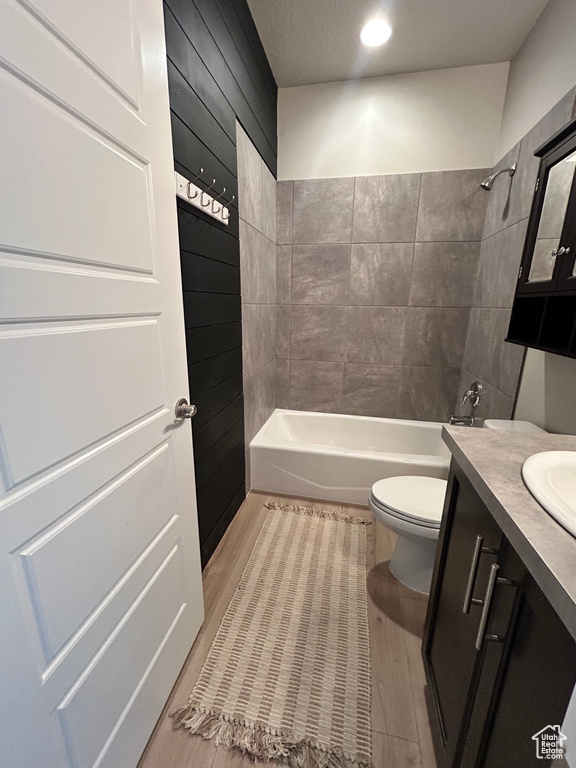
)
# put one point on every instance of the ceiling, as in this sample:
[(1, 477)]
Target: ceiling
[(317, 41)]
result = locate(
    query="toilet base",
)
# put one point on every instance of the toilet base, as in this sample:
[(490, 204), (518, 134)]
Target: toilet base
[(413, 562)]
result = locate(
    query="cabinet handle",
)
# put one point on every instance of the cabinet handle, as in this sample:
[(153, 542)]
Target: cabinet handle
[(494, 568), (478, 550), (560, 251), (472, 574)]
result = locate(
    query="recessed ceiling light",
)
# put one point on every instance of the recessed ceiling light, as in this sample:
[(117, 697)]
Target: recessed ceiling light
[(375, 33)]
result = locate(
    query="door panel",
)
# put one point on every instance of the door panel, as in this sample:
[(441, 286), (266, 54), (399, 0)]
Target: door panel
[(121, 664), (103, 190), (137, 505), (80, 383), (99, 556), (104, 34)]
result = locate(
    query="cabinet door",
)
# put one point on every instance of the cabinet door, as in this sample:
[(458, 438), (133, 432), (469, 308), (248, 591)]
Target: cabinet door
[(468, 546), (548, 261), (492, 640), (534, 684)]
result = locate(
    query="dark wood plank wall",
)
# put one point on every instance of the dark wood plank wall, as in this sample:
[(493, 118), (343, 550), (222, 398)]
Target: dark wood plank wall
[(217, 73)]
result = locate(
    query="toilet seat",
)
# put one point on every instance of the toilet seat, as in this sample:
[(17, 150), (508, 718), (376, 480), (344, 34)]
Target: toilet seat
[(380, 509), (415, 499)]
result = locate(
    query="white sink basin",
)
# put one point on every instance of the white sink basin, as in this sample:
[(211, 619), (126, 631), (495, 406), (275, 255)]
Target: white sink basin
[(551, 479)]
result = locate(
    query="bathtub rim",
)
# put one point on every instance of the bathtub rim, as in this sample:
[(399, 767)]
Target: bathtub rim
[(262, 440)]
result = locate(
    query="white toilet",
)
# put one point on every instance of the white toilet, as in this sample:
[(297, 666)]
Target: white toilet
[(411, 506)]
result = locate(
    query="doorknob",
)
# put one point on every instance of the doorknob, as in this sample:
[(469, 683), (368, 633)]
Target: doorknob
[(183, 410)]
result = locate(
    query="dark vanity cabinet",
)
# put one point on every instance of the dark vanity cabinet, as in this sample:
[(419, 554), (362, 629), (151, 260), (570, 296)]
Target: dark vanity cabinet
[(500, 665), (544, 310)]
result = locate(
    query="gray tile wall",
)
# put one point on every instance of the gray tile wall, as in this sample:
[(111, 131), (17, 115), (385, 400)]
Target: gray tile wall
[(375, 279), (487, 356), (257, 209)]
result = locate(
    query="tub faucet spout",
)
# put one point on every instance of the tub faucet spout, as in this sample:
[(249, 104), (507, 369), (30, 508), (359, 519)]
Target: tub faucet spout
[(462, 421)]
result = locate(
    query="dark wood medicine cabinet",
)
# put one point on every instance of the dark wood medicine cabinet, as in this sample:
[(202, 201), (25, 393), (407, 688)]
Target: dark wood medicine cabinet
[(544, 310)]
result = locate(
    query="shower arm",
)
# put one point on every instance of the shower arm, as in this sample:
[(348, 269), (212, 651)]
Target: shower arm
[(488, 183)]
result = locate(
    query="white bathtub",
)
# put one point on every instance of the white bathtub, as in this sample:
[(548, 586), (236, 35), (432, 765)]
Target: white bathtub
[(339, 458)]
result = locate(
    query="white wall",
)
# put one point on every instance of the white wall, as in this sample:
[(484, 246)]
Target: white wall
[(543, 70), (445, 119), (541, 73)]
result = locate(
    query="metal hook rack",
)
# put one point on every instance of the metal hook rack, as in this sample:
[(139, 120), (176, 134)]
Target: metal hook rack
[(199, 198)]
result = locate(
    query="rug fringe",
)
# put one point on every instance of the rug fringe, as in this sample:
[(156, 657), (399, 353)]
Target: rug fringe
[(323, 513), (259, 741)]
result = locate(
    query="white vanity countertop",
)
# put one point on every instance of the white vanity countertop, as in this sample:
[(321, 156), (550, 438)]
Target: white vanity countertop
[(492, 460)]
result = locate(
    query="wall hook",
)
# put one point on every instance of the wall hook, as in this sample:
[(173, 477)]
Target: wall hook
[(216, 199), (226, 215), (202, 203), (199, 198), (195, 178)]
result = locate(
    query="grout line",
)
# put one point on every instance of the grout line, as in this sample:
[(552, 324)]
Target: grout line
[(250, 376), (411, 275), (504, 229), (418, 209), (496, 389), (378, 306), (380, 365)]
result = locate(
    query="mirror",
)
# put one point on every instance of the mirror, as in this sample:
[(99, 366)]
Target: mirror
[(559, 184)]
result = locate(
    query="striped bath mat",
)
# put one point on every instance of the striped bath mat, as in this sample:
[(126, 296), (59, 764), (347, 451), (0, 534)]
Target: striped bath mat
[(288, 675)]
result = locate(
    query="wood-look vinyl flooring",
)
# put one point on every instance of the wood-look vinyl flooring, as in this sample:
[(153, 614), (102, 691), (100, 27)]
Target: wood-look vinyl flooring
[(401, 733)]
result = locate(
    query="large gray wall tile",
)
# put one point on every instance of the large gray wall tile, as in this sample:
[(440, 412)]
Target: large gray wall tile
[(249, 180), (258, 336), (283, 330), (284, 198), (452, 206), (499, 199), (380, 273), (284, 274), (428, 394), (259, 399), (375, 335), (318, 333), (316, 386), (385, 208), (268, 202), (323, 211), (525, 177), (257, 266), (435, 336), (498, 267), (371, 390), (488, 355), (258, 262), (444, 274), (282, 383), (320, 274)]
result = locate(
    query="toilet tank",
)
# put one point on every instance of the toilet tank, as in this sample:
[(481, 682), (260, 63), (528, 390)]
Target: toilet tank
[(512, 426)]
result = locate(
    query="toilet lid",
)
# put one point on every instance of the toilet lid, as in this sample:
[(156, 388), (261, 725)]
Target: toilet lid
[(389, 512), (412, 497)]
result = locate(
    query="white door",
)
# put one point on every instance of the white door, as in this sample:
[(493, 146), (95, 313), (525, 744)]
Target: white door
[(100, 583)]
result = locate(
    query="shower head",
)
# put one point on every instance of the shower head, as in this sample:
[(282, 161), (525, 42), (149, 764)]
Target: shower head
[(488, 183)]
